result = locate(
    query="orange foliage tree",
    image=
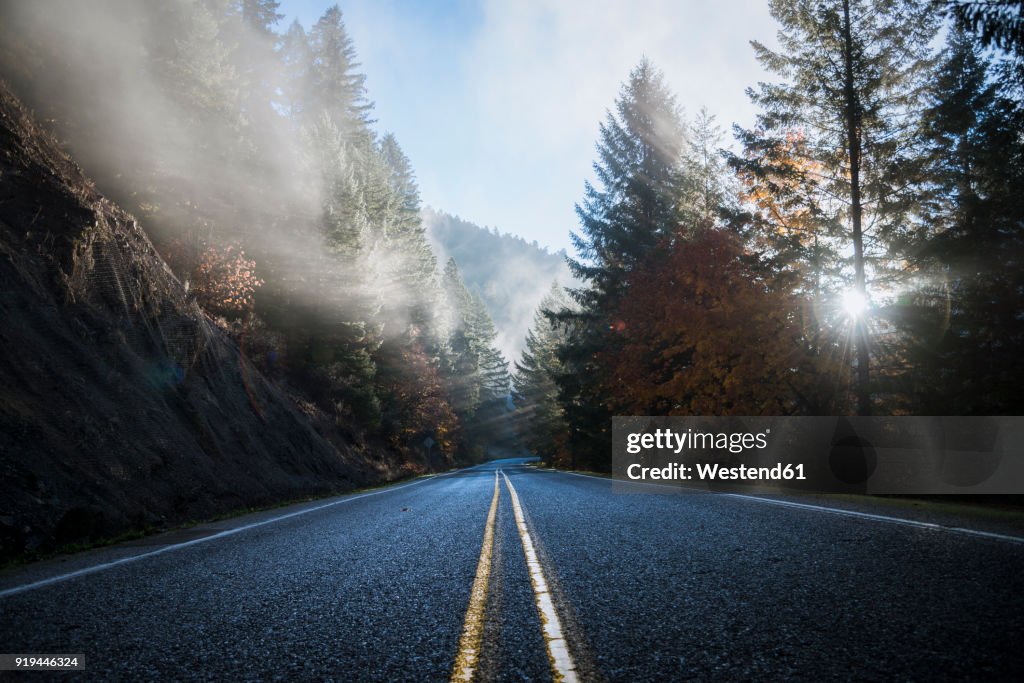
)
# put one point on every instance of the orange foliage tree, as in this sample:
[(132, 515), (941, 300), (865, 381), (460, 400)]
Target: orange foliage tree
[(795, 220), (224, 281), (705, 330), (420, 404)]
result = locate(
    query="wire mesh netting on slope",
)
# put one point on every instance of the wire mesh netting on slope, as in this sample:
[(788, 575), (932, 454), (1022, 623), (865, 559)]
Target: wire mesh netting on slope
[(122, 406)]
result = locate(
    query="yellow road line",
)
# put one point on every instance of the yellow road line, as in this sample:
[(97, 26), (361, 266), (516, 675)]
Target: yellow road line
[(562, 667), (473, 628)]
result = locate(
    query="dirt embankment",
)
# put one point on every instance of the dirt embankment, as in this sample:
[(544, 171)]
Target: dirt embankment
[(121, 405)]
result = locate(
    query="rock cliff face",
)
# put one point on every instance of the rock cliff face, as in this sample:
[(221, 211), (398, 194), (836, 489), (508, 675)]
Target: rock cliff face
[(121, 405)]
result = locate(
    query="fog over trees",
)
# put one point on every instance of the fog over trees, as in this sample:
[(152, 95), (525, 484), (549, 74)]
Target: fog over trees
[(856, 249), (247, 151)]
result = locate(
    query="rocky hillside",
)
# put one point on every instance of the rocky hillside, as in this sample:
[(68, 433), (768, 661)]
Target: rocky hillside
[(122, 406)]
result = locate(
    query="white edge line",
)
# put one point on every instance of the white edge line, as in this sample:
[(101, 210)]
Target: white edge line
[(883, 518), (820, 508), (196, 541)]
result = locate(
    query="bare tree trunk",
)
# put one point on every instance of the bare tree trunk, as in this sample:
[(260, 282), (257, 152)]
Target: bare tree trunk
[(853, 133)]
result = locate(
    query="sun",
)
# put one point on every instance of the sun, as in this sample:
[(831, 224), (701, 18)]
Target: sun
[(854, 304)]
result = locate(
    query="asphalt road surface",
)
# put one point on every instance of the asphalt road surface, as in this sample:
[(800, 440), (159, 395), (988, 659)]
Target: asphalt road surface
[(532, 575)]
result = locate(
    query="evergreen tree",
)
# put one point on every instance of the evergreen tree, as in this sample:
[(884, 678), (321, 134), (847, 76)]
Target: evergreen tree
[(540, 417), (639, 168), (254, 58), (345, 330), (462, 362), (195, 63), (493, 368), (706, 180), (477, 372), (297, 72), (636, 206), (998, 23), (335, 86), (411, 266), (968, 320), (853, 72)]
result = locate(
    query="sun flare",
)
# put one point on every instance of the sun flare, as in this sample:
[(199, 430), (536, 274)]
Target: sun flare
[(854, 304)]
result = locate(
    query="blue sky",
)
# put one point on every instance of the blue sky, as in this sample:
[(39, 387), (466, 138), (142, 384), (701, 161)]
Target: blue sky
[(497, 102)]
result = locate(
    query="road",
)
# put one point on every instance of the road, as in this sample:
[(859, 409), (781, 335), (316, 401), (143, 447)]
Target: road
[(423, 581)]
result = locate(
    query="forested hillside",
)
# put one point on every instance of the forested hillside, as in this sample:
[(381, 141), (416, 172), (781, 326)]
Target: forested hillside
[(510, 274), (858, 251), (122, 405), (245, 152)]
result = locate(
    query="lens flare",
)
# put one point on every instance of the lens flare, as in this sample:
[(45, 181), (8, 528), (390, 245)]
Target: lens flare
[(854, 304)]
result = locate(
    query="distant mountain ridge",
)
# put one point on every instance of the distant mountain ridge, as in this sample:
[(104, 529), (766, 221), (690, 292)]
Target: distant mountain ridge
[(511, 274)]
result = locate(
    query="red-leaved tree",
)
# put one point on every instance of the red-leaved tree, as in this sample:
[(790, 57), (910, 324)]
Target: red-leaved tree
[(705, 330)]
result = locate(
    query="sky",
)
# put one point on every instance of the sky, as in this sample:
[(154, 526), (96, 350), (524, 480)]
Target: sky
[(497, 103)]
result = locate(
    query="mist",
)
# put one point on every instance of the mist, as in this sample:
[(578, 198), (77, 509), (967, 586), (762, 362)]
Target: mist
[(160, 102), (512, 281), (247, 150)]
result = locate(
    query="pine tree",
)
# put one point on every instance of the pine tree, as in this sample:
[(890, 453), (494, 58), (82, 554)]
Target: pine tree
[(251, 26), (297, 72), (998, 23), (345, 329), (476, 371), (411, 265), (540, 417), (196, 66), (461, 360), (493, 368), (639, 168), (706, 179), (636, 205), (335, 86), (968, 320), (853, 71)]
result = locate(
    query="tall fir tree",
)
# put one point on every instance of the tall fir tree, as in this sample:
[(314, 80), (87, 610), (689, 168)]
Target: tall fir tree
[(540, 418), (296, 72), (335, 84), (707, 180), (968, 318), (411, 266), (635, 206), (461, 361), (853, 73)]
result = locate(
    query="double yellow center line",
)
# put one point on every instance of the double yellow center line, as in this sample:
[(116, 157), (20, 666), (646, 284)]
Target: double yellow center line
[(562, 666), (473, 628)]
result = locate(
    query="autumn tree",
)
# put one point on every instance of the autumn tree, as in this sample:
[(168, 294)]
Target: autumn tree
[(225, 282), (780, 186), (707, 330)]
